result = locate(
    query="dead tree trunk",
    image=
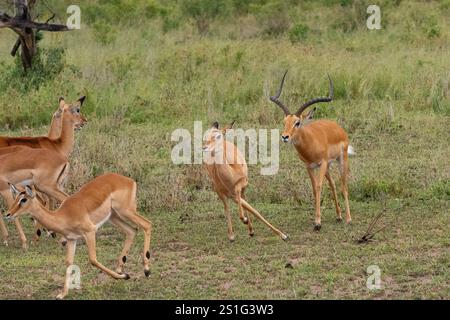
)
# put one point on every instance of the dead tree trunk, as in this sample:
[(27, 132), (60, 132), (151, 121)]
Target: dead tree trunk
[(22, 23)]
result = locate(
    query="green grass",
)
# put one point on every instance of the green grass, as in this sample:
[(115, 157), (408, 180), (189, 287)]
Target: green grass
[(392, 97)]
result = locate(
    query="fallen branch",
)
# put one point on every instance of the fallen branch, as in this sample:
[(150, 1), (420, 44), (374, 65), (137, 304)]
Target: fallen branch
[(368, 236)]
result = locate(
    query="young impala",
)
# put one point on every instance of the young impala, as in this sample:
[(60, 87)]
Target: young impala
[(110, 197), (228, 172), (45, 169), (318, 144), (61, 137)]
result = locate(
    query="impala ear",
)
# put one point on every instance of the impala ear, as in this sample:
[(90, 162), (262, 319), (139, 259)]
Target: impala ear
[(13, 189), (228, 127), (62, 102), (215, 125), (30, 192), (310, 114), (81, 100)]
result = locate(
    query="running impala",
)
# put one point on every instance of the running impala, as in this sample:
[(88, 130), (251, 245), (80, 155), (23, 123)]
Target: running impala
[(107, 198), (228, 172)]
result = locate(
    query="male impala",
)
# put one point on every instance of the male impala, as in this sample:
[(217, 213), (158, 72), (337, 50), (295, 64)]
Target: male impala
[(46, 169), (61, 135), (318, 144), (110, 197), (228, 172)]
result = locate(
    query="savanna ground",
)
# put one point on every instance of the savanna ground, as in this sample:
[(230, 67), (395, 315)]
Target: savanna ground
[(149, 67)]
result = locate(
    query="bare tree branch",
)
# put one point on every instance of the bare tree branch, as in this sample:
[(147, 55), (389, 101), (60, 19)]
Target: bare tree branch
[(21, 24)]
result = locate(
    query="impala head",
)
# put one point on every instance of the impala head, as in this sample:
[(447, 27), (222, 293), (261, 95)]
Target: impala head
[(23, 201), (294, 121), (214, 136), (72, 109)]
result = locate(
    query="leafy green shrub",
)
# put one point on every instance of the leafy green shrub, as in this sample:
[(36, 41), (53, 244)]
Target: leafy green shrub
[(431, 27), (368, 189), (47, 64), (298, 33)]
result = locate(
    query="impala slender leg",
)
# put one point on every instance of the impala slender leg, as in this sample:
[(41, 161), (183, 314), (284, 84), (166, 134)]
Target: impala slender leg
[(145, 225), (260, 217), (55, 192), (344, 187), (242, 216), (313, 178), (333, 191), (91, 246), (248, 215), (322, 170), (228, 216), (4, 231), (251, 232), (23, 239), (129, 234), (38, 228), (70, 255)]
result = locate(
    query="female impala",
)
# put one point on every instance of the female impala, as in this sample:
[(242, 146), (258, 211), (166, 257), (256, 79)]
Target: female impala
[(318, 144), (110, 197), (60, 139), (228, 172), (45, 169), (61, 135)]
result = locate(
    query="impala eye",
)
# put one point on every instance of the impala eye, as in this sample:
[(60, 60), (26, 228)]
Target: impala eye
[(23, 200), (297, 124)]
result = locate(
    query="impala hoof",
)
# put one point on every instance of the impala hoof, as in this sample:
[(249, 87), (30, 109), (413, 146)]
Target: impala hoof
[(285, 237), (126, 276), (251, 234), (147, 273), (339, 219), (245, 220), (231, 239), (53, 234), (349, 221), (317, 227)]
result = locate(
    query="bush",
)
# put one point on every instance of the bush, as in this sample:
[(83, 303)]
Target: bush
[(47, 64), (298, 33), (431, 27)]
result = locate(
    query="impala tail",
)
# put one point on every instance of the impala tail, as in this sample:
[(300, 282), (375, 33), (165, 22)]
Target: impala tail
[(351, 151)]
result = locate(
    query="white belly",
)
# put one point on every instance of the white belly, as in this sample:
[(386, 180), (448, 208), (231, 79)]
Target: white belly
[(102, 222)]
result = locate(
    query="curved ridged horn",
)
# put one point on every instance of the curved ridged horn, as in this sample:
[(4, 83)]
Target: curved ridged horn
[(316, 100), (275, 98)]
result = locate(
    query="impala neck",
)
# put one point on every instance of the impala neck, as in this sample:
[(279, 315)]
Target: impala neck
[(46, 217), (67, 137), (55, 127)]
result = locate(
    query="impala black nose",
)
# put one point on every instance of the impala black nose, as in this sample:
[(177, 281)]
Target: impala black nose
[(285, 138)]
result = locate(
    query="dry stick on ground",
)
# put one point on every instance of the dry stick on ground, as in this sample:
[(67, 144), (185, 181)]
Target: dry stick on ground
[(368, 236), (23, 24)]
